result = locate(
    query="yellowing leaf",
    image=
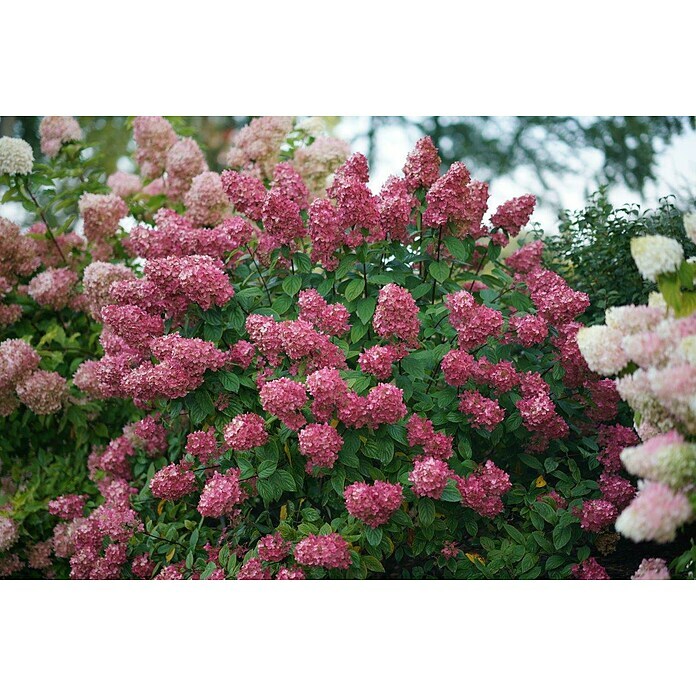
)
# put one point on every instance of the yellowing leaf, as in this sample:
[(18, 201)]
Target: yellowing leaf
[(334, 422), (540, 482), (284, 512), (160, 507), (476, 557), (287, 452), (170, 555)]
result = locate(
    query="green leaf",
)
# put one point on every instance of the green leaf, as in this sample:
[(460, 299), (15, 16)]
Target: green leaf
[(302, 262), (266, 469), (426, 511), (366, 308), (439, 270), (381, 448), (354, 289), (292, 285), (561, 536), (281, 304), (285, 480), (451, 494), (229, 381), (554, 562), (457, 248), (200, 406), (265, 489), (546, 511), (371, 563), (514, 533), (373, 536), (209, 569)]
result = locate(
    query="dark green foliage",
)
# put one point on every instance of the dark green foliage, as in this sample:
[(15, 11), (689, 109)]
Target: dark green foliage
[(593, 249)]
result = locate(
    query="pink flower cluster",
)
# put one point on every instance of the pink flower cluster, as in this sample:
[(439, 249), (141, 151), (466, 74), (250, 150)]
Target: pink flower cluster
[(589, 569), (18, 252), (154, 136), (148, 435), (172, 482), (101, 214), (202, 444), (183, 163), (652, 569), (396, 315), (253, 570), (41, 391), (298, 340), (53, 287), (420, 432), (100, 541), (422, 168), (396, 204), (553, 298), (358, 209), (176, 235), (55, 131), (514, 214), (329, 319), (483, 412), (429, 477), (655, 514), (257, 145), (324, 551), (285, 399), (272, 548), (97, 281), (482, 490), (206, 201), (221, 493), (379, 361), (190, 279), (9, 533), (538, 411), (595, 515), (245, 432), (124, 184), (321, 444), (473, 322), (373, 504), (67, 507)]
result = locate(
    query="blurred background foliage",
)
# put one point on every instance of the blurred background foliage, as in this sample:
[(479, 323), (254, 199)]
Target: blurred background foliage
[(592, 249), (626, 147)]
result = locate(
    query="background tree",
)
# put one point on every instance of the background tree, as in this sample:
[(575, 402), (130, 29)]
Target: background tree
[(593, 249), (494, 146)]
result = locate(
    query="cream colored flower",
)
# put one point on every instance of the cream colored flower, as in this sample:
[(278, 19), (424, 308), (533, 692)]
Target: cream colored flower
[(16, 156), (655, 255)]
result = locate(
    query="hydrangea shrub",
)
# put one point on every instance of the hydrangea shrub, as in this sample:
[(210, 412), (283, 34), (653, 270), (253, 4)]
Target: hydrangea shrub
[(652, 351), (329, 382)]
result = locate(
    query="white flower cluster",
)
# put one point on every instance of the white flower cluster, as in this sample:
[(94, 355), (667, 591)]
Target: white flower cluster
[(601, 348), (314, 126), (655, 255), (16, 156), (690, 226)]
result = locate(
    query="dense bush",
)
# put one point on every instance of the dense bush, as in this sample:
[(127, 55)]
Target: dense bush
[(652, 350), (592, 249), (337, 384)]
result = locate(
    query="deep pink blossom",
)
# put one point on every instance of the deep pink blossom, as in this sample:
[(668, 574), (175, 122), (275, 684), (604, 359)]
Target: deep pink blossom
[(373, 504), (325, 551)]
